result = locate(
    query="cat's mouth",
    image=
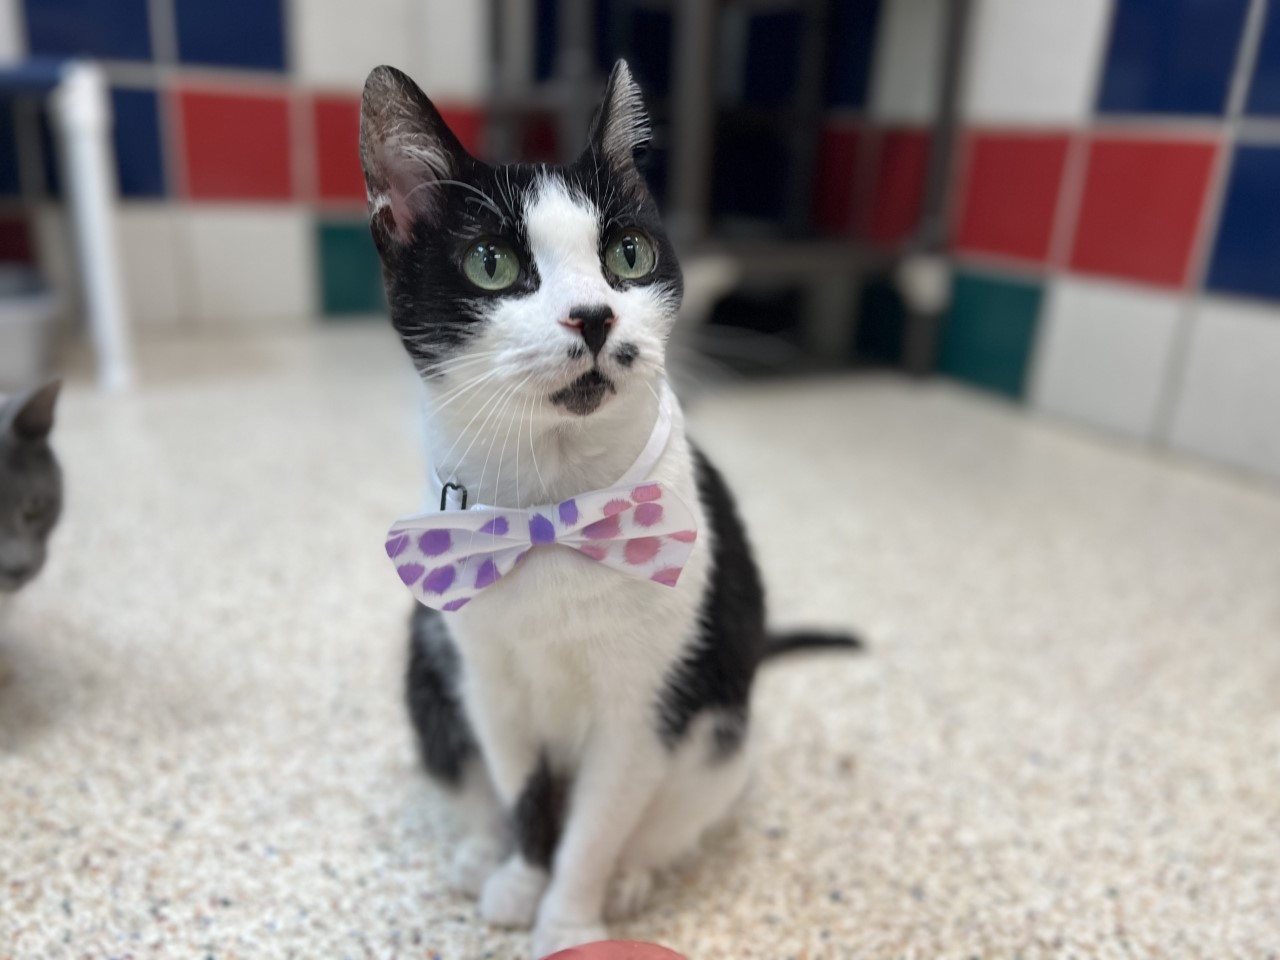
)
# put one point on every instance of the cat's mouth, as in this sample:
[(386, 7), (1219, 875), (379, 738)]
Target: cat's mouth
[(584, 395)]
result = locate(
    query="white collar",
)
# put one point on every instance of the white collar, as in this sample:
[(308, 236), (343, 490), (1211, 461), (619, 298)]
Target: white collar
[(639, 470)]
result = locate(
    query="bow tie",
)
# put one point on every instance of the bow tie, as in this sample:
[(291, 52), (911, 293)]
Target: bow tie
[(446, 558)]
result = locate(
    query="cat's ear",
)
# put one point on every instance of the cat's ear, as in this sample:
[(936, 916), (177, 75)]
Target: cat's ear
[(405, 147), (31, 414), (621, 125)]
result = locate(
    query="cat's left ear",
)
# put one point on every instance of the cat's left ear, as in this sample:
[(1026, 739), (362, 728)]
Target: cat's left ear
[(621, 125), (32, 413)]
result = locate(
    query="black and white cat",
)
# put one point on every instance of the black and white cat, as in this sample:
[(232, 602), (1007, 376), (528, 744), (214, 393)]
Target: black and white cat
[(592, 726), (30, 485)]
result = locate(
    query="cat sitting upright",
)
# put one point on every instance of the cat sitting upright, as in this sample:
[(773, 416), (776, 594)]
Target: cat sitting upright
[(30, 485), (586, 699)]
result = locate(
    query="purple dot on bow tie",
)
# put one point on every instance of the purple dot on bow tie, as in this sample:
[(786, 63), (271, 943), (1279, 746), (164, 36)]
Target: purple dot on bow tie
[(667, 576), (569, 513), (440, 579), (410, 572), (435, 542), (605, 529), (458, 604), (647, 514), (497, 526), (396, 545), (541, 530), (486, 575)]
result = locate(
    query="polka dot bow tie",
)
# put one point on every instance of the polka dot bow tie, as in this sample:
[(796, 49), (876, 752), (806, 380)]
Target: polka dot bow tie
[(446, 558), (637, 527)]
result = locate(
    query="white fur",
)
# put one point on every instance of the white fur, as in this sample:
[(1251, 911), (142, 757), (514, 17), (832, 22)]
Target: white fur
[(564, 655)]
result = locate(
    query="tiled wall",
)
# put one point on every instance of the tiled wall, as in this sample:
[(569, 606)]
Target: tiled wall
[(1115, 208), (236, 145)]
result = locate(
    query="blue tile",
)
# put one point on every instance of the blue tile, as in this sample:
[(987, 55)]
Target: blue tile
[(851, 38), (10, 183), (102, 28), (139, 160), (773, 58), (231, 33), (1247, 251), (1264, 91), (1171, 56), (546, 33)]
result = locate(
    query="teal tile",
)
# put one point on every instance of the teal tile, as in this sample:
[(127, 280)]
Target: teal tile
[(882, 323), (350, 274), (988, 334)]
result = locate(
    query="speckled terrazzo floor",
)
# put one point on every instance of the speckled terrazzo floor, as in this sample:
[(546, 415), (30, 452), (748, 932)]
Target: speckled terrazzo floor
[(1064, 743)]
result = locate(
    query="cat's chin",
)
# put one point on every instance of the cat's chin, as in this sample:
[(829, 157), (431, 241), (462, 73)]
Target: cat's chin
[(585, 395)]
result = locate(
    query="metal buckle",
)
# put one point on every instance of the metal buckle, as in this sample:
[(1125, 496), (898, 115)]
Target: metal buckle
[(444, 495)]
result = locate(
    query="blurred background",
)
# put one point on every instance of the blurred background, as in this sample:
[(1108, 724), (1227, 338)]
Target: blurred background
[(1072, 205)]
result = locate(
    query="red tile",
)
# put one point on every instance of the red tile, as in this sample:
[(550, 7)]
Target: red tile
[(15, 241), (235, 146), (1143, 200), (835, 179), (1010, 193), (337, 132), (538, 139), (901, 165), (467, 124)]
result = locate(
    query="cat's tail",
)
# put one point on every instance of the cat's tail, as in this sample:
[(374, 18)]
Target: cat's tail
[(780, 643)]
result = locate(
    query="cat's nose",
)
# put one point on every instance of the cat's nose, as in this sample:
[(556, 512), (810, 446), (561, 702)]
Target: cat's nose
[(594, 323)]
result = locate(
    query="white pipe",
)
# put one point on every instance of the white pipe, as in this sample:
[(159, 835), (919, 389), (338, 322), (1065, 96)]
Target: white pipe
[(83, 114)]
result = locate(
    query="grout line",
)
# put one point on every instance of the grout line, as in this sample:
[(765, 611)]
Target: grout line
[(1210, 222)]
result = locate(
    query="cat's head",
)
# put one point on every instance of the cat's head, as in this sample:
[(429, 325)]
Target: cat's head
[(557, 284), (30, 484)]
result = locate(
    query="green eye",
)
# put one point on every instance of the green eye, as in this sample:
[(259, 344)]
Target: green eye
[(629, 255), (491, 265)]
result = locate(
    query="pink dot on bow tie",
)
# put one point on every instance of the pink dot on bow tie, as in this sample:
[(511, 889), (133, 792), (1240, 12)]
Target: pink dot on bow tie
[(605, 529), (647, 514), (641, 550), (458, 604), (685, 536), (647, 492), (594, 552), (396, 545), (497, 526), (667, 576), (614, 507), (440, 579), (486, 575), (410, 572), (435, 542)]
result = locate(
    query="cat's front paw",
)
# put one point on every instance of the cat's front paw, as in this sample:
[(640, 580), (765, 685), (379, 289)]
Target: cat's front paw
[(475, 860), (551, 937), (512, 892), (628, 894)]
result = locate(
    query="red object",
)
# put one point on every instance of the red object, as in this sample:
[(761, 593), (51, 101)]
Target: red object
[(235, 146), (1010, 193), (538, 139), (337, 132), (835, 179), (901, 164), (1143, 202), (467, 124), (617, 950), (15, 241)]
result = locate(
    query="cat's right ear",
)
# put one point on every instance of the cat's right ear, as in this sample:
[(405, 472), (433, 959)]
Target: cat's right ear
[(405, 148), (30, 415)]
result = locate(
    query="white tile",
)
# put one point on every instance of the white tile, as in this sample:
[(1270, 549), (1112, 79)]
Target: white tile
[(908, 60), (57, 257), (251, 267), (336, 42), (449, 49), (1103, 354), (1034, 60), (152, 261), (12, 32), (1228, 404)]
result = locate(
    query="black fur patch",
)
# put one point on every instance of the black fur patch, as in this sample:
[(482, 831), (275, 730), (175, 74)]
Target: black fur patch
[(445, 740), (538, 817), (626, 354), (585, 394), (716, 673)]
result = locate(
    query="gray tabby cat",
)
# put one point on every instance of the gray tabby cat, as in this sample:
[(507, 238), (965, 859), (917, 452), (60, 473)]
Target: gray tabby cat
[(30, 485)]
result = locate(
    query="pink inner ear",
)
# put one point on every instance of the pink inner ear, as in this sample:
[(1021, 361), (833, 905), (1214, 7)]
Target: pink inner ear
[(410, 196)]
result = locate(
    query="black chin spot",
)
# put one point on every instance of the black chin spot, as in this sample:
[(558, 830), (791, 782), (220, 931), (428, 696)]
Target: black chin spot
[(585, 394), (626, 354)]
